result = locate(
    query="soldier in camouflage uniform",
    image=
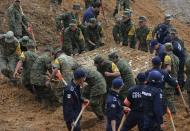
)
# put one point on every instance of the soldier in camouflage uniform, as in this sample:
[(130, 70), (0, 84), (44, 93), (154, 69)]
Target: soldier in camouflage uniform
[(18, 22), (171, 65), (126, 72), (124, 3), (108, 69), (116, 31), (127, 29), (39, 78), (187, 72), (167, 22), (93, 34), (27, 59), (63, 20), (23, 43), (143, 35), (66, 64), (95, 91), (9, 55), (73, 40)]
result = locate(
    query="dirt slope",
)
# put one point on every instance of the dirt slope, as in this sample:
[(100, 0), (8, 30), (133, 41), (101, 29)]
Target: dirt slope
[(18, 109)]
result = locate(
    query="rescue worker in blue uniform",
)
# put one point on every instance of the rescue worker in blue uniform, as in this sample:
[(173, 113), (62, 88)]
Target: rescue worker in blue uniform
[(72, 99), (156, 63), (152, 103), (166, 78), (114, 108), (134, 102)]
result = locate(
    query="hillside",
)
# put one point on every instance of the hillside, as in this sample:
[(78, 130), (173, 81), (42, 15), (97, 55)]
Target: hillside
[(18, 109)]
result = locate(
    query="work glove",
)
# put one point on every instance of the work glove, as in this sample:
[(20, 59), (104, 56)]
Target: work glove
[(86, 102), (126, 110)]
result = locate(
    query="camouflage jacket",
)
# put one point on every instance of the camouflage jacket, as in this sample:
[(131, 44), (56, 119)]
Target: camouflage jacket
[(116, 32), (96, 82), (127, 32), (63, 20), (38, 74), (144, 36), (28, 58), (94, 34), (16, 20), (126, 73), (66, 64), (10, 49), (73, 41)]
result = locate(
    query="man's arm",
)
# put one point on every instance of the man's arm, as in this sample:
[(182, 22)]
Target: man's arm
[(115, 71)]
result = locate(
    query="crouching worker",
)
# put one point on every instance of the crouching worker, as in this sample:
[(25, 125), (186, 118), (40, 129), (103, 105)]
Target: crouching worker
[(73, 101)]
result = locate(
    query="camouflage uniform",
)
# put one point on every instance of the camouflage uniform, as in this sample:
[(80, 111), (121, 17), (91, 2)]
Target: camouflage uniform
[(116, 31), (125, 71), (187, 71), (9, 55), (39, 77), (63, 20), (119, 4), (94, 35), (168, 92), (28, 58), (73, 41), (66, 64), (143, 35), (18, 23), (95, 91)]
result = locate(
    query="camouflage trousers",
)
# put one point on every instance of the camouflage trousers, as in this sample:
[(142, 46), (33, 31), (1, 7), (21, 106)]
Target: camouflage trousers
[(97, 105), (187, 86), (7, 66), (168, 98), (46, 96), (124, 3)]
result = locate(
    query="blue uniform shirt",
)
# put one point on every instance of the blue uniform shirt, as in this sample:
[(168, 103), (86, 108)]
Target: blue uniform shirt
[(72, 102), (135, 98), (89, 13), (152, 105), (114, 109), (166, 78)]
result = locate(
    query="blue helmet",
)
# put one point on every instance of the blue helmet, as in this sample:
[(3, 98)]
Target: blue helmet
[(155, 77), (79, 73), (117, 83)]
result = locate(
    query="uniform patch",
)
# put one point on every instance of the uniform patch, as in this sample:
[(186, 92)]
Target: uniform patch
[(69, 96), (113, 105), (114, 99), (72, 88)]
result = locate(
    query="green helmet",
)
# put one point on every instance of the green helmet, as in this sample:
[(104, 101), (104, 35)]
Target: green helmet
[(30, 44)]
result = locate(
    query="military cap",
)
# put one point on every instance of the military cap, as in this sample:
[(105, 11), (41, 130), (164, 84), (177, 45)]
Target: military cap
[(58, 50), (17, 0), (31, 43), (98, 60), (168, 46), (168, 17), (142, 18), (92, 20), (173, 31), (79, 73), (76, 6), (73, 22), (156, 60), (117, 83), (48, 49), (113, 55), (9, 37)]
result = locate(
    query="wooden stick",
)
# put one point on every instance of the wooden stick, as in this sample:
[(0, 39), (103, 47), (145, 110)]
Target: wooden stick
[(184, 102), (80, 114), (122, 122), (171, 119)]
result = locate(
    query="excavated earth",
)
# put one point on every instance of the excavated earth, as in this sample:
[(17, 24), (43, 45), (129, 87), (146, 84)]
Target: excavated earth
[(18, 109)]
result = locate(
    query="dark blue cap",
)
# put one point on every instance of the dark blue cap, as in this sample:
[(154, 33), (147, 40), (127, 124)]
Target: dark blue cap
[(79, 73), (117, 83), (153, 43), (156, 60), (141, 77)]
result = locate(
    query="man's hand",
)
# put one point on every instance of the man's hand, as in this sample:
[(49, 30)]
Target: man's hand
[(15, 74), (126, 109), (86, 102), (163, 126), (107, 74)]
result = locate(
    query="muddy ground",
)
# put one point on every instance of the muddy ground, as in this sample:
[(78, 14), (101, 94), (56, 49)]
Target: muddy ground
[(18, 109)]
